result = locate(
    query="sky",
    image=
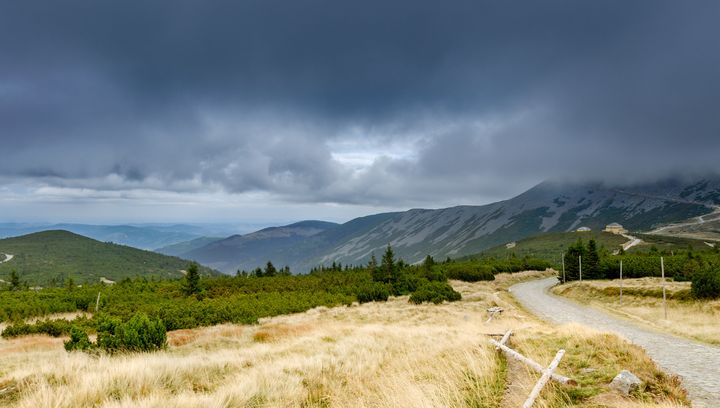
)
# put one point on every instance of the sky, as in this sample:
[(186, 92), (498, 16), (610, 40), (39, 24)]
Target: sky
[(272, 111)]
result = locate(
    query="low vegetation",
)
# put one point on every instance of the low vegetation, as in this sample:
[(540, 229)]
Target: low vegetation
[(192, 302)]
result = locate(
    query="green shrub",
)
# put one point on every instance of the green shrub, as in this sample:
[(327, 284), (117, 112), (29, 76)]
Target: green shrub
[(469, 272), (372, 292), (78, 340), (435, 292), (17, 329), (54, 328), (706, 284), (140, 333)]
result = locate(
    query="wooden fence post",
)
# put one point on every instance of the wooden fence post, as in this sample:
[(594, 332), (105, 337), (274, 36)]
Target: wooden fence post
[(662, 271), (543, 380), (580, 265), (532, 364), (621, 283)]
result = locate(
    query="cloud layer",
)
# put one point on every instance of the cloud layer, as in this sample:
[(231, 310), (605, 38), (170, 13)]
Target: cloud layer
[(368, 103)]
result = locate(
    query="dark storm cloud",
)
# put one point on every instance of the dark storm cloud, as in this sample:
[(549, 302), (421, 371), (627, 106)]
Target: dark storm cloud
[(249, 96)]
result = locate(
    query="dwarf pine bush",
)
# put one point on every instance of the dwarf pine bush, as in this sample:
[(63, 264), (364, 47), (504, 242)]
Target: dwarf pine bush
[(435, 292), (706, 284), (139, 334)]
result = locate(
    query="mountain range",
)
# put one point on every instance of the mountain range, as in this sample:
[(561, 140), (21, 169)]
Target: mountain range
[(464, 230), (143, 236)]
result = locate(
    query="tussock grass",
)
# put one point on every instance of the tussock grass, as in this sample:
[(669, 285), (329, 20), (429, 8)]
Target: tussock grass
[(642, 303), (390, 354)]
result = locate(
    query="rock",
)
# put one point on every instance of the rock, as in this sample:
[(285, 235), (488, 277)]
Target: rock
[(495, 309), (625, 382)]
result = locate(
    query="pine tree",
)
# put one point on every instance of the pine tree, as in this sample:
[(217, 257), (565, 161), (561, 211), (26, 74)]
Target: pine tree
[(386, 271), (14, 280), (591, 261), (270, 270), (372, 264), (572, 263), (192, 280)]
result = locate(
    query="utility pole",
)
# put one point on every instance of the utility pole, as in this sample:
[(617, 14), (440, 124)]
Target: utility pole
[(580, 264), (562, 258), (662, 271), (621, 285), (97, 303)]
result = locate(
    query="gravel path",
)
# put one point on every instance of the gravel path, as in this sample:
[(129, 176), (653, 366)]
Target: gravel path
[(698, 364)]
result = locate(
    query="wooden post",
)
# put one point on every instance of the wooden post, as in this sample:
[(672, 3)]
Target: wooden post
[(580, 265), (563, 266), (505, 338), (621, 286), (97, 303), (543, 380), (662, 272), (532, 364)]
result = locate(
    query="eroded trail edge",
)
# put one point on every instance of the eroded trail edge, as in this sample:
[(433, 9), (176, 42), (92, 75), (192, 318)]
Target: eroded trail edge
[(698, 364)]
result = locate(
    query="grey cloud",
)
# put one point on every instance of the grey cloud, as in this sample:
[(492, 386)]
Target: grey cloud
[(250, 96)]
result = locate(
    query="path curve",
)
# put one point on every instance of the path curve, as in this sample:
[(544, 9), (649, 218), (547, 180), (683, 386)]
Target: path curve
[(8, 257), (698, 364), (715, 214)]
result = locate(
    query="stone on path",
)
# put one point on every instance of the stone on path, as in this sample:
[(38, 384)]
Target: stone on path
[(625, 382)]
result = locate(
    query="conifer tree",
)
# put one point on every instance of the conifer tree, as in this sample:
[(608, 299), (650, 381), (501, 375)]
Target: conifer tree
[(14, 280), (270, 270), (591, 261), (386, 271), (192, 280), (572, 262)]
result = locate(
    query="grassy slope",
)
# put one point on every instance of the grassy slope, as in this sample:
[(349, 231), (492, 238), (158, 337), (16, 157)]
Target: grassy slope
[(549, 246), (642, 303), (668, 243), (392, 354), (55, 255)]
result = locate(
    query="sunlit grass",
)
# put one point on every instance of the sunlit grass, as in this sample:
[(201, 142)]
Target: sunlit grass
[(642, 302), (391, 354)]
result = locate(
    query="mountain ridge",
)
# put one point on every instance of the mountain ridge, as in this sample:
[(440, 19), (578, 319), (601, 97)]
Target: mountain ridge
[(461, 230)]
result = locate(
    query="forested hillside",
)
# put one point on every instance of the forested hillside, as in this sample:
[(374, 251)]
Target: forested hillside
[(55, 257)]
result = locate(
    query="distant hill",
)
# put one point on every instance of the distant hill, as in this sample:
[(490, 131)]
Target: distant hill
[(138, 236), (255, 249), (466, 230), (186, 246), (53, 256)]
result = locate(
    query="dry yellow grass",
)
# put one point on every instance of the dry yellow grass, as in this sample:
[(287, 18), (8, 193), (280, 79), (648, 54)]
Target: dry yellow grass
[(392, 354), (642, 303)]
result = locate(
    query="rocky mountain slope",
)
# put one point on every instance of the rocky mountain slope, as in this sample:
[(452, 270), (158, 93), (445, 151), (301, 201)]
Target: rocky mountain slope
[(464, 230)]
